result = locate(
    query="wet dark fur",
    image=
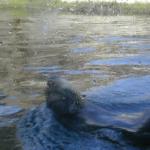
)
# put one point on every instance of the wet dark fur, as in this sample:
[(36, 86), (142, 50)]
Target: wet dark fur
[(62, 98)]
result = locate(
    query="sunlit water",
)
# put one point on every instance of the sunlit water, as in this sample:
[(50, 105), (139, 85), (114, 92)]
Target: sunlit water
[(106, 56)]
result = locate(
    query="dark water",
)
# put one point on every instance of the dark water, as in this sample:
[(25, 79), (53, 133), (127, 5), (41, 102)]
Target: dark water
[(108, 57), (45, 133)]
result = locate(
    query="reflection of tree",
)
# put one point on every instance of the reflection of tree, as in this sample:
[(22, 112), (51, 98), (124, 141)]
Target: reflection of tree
[(17, 55), (21, 52)]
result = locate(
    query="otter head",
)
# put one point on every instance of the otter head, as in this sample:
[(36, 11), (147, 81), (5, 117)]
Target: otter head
[(62, 98)]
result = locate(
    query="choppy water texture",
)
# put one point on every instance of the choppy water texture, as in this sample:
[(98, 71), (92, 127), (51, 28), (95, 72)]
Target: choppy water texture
[(106, 56), (44, 133)]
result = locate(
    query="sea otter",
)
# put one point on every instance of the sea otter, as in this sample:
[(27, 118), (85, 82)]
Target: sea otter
[(73, 111), (62, 98)]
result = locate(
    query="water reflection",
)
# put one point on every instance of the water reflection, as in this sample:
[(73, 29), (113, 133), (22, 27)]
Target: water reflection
[(120, 91), (132, 60), (79, 48), (83, 50), (8, 140), (94, 50)]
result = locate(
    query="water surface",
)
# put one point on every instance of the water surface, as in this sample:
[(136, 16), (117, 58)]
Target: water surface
[(109, 53)]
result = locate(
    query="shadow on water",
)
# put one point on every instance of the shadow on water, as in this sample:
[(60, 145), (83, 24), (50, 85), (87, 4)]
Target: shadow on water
[(111, 53)]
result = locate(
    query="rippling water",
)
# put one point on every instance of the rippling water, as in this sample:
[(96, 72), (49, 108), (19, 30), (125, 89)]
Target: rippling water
[(98, 54)]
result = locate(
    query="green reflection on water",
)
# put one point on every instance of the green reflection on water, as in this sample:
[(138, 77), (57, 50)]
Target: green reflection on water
[(43, 40), (8, 140), (22, 12)]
